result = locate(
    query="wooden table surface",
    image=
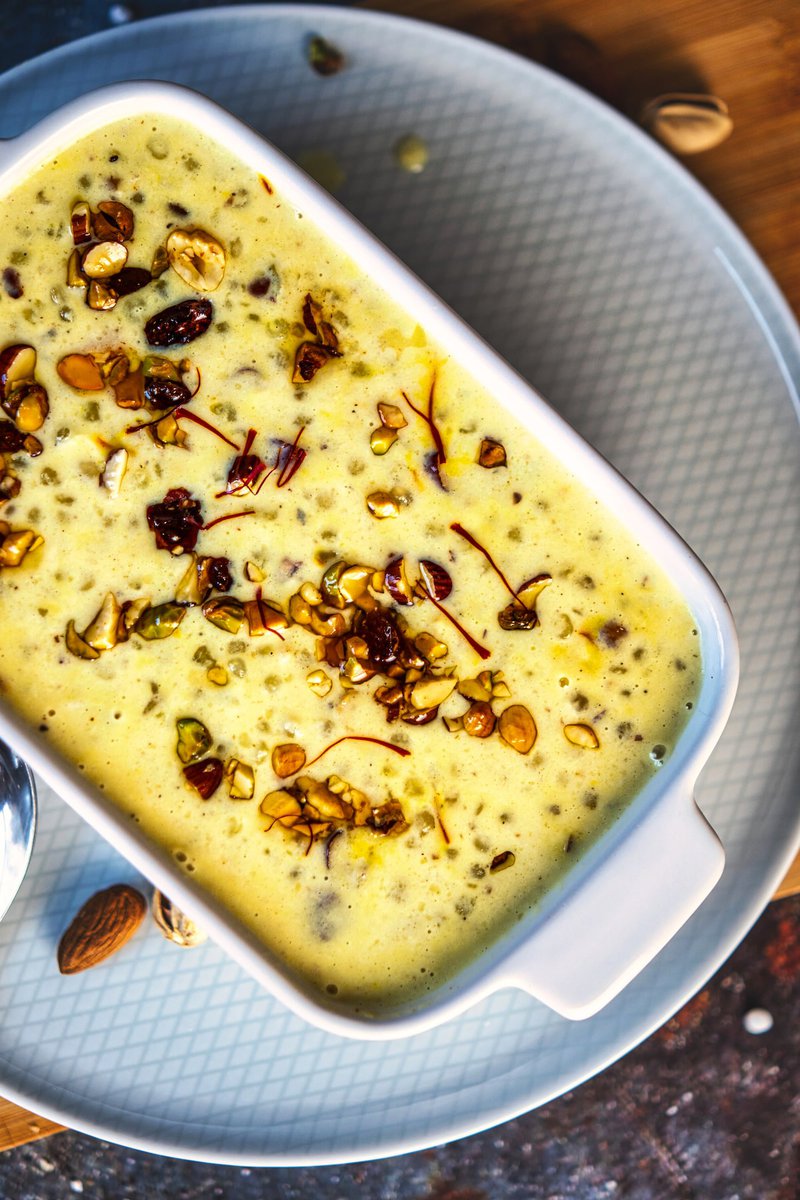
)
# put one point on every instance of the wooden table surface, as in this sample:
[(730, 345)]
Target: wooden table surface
[(745, 51)]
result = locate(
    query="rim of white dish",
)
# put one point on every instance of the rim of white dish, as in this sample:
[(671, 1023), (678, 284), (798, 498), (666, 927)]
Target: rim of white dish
[(315, 18)]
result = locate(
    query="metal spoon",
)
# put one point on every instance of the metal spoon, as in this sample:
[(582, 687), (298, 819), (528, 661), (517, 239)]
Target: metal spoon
[(17, 824)]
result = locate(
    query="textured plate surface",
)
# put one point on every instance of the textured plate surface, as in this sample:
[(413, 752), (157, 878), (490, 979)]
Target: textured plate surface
[(605, 275)]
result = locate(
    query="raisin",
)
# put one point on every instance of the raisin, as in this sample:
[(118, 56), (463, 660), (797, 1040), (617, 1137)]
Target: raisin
[(219, 574), (165, 393), (517, 616), (11, 440), (179, 324), (379, 630)]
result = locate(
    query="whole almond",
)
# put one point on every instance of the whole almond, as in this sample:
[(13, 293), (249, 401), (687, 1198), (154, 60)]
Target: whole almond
[(101, 927)]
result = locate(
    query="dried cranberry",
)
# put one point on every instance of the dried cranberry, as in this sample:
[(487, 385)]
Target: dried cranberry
[(423, 716), (176, 521), (204, 776), (179, 324), (379, 630), (129, 279), (165, 393)]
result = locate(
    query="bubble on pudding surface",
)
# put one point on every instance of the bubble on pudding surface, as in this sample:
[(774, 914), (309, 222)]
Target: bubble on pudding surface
[(658, 754)]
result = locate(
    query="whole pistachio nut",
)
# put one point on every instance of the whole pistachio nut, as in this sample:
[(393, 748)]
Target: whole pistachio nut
[(687, 123), (174, 924)]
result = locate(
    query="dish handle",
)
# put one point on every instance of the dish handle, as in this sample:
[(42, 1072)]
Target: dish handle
[(576, 963)]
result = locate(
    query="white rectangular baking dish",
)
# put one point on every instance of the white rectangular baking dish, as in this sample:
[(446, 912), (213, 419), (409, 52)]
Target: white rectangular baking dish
[(625, 897)]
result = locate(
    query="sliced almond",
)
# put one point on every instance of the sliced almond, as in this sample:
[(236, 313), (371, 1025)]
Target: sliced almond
[(80, 223), (81, 372), (113, 221), (241, 780), (114, 471), (16, 545), (517, 728), (353, 583), (391, 416), (492, 454), (288, 759), (429, 693), (582, 735), (473, 689), (28, 405), (319, 682), (75, 276), (280, 806), (431, 648), (253, 572), (530, 591), (102, 634), (383, 505), (17, 365), (100, 297), (76, 644), (479, 720)]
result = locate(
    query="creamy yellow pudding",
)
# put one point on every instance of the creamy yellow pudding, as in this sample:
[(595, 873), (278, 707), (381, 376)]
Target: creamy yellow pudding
[(288, 585)]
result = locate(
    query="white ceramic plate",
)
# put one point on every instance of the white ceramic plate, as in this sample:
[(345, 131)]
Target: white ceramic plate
[(607, 277)]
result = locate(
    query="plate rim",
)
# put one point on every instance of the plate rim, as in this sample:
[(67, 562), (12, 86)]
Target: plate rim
[(316, 17)]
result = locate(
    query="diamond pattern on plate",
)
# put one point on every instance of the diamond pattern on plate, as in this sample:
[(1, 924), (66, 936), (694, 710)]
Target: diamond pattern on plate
[(605, 276)]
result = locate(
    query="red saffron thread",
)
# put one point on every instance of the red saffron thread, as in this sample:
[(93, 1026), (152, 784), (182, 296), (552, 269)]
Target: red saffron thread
[(294, 461), (147, 424), (429, 421), (459, 529), (190, 416), (355, 737), (262, 606), (476, 646), (247, 512), (237, 486)]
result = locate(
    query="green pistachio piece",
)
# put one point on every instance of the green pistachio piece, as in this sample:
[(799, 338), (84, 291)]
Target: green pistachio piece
[(193, 739), (225, 612), (161, 621)]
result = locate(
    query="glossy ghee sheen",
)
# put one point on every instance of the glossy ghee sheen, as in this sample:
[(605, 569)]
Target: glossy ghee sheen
[(374, 919)]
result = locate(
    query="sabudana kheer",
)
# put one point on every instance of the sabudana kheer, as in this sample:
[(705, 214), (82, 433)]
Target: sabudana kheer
[(288, 585)]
